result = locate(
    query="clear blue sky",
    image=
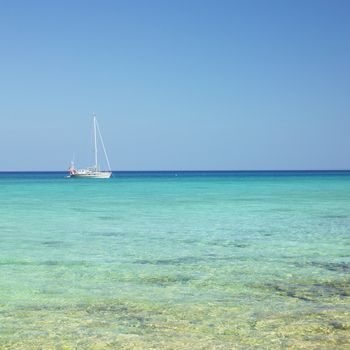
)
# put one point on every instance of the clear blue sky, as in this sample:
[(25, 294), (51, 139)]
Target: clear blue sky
[(181, 84)]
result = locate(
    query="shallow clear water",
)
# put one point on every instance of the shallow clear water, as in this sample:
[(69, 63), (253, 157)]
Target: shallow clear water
[(175, 261)]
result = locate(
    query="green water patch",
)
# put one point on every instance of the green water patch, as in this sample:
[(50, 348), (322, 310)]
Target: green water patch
[(155, 280), (44, 263), (186, 260), (284, 209), (85, 210)]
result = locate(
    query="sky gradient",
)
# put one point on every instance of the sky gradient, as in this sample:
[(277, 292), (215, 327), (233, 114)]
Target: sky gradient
[(183, 85)]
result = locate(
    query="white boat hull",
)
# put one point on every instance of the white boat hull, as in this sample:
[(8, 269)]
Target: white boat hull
[(97, 175)]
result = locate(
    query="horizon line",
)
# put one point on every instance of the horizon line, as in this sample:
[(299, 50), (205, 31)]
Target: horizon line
[(177, 170)]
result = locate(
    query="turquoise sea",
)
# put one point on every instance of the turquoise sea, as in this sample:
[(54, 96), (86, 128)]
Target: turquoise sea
[(185, 260)]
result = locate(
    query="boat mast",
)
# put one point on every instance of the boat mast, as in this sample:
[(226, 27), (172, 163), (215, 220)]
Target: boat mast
[(103, 146), (95, 142)]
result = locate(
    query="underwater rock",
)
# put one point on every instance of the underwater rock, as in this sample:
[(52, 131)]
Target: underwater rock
[(110, 234), (52, 243), (337, 325), (312, 291), (166, 280), (331, 266), (106, 217), (174, 261), (334, 216)]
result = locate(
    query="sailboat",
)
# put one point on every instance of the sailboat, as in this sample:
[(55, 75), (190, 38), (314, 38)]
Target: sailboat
[(94, 171)]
